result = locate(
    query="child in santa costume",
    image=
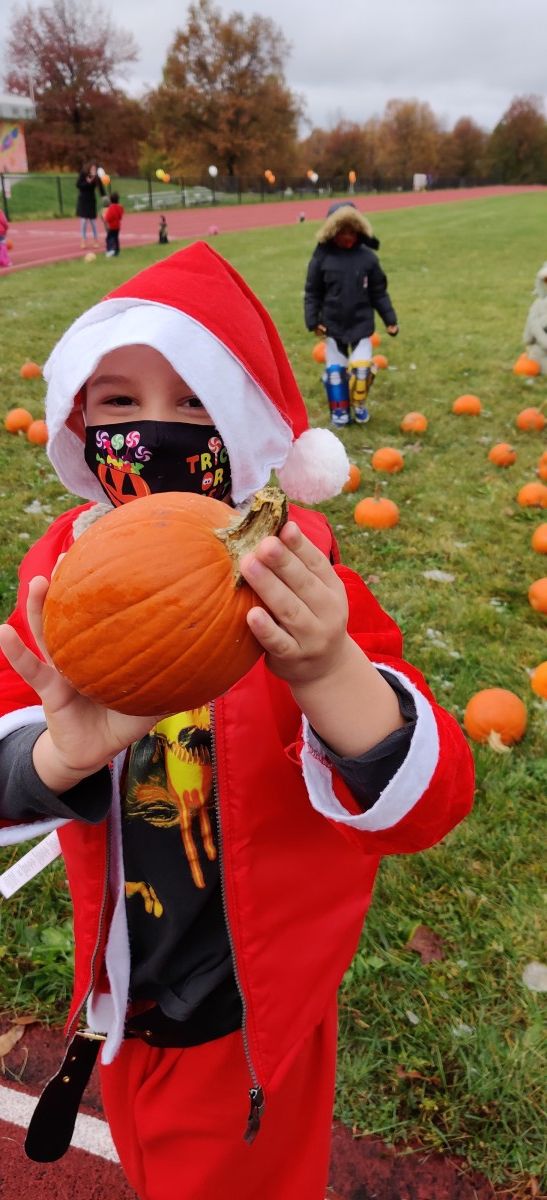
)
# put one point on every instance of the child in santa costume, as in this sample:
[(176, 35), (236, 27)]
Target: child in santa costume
[(220, 861)]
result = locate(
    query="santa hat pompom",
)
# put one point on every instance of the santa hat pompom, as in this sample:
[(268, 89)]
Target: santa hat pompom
[(316, 468)]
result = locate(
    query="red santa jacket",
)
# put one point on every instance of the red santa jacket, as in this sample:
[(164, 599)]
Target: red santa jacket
[(298, 857)]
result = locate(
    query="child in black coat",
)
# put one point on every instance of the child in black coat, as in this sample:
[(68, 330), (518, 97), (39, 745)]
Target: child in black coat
[(345, 284)]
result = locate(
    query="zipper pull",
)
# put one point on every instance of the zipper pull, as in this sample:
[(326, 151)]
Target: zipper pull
[(256, 1096)]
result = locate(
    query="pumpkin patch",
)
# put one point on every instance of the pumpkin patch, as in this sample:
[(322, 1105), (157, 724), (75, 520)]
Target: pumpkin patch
[(467, 405), (414, 422), (387, 459), (502, 455), (531, 420), (147, 611)]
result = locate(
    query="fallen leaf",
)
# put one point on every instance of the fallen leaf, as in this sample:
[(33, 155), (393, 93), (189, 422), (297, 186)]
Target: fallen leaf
[(412, 1017), (427, 944), (9, 1040), (402, 1074), (439, 576), (25, 1020), (534, 976)]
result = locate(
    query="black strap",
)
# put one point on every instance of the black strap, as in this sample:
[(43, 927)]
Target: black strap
[(53, 1120)]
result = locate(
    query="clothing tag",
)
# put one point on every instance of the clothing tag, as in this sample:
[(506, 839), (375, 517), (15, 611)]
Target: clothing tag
[(30, 865)]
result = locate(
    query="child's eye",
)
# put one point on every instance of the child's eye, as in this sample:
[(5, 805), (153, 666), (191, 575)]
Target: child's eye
[(191, 402), (119, 401)]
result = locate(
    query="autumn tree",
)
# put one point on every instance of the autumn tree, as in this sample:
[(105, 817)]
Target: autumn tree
[(462, 153), (408, 141), (73, 57), (517, 150), (224, 99)]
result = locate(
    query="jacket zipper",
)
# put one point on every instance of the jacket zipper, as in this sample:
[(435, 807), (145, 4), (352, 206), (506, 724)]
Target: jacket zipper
[(72, 1027), (256, 1093)]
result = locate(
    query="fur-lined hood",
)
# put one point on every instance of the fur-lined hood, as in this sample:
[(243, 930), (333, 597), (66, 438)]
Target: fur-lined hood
[(342, 216)]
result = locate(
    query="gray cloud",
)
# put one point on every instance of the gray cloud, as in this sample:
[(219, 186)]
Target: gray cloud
[(464, 57)]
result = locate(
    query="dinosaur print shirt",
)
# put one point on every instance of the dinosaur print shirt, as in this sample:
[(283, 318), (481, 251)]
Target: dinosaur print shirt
[(180, 949)]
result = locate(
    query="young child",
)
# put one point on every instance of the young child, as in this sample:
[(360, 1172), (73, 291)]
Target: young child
[(112, 218), (5, 260), (163, 233), (344, 285), (220, 861)]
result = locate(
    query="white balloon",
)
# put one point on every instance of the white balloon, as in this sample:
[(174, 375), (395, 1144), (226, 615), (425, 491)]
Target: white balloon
[(213, 171)]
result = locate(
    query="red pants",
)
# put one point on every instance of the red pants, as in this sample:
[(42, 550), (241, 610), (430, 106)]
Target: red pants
[(178, 1116)]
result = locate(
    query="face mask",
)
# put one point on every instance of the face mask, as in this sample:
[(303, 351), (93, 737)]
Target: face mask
[(136, 458)]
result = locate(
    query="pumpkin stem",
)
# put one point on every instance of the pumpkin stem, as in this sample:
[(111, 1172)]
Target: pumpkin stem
[(495, 742), (265, 514)]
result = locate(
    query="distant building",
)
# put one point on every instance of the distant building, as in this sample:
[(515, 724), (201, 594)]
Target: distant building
[(14, 111)]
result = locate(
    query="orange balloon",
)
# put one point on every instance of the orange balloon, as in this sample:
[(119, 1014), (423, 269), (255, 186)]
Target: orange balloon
[(18, 420), (37, 433), (319, 352)]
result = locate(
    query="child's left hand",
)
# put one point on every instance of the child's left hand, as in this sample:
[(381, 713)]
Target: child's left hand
[(304, 631), (392, 330)]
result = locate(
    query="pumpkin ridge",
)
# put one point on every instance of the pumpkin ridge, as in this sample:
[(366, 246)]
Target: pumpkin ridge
[(71, 643), (170, 666)]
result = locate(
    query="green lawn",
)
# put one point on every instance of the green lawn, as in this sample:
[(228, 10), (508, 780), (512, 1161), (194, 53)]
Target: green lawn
[(451, 1052)]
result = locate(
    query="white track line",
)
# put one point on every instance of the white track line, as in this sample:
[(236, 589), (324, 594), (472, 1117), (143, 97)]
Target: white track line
[(90, 1133)]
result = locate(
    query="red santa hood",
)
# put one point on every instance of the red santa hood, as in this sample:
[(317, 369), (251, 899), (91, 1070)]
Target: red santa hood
[(196, 310)]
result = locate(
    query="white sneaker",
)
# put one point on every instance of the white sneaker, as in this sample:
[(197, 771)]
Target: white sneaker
[(110, 253)]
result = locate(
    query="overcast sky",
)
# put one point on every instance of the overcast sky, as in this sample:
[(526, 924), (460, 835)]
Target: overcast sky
[(465, 57)]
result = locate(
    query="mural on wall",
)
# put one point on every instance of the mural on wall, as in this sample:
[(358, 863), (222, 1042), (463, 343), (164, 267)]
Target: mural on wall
[(13, 152)]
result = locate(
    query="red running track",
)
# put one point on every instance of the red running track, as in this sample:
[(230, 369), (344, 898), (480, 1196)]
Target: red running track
[(37, 243), (361, 1168)]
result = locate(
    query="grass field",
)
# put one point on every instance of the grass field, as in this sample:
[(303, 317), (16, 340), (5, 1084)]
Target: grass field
[(450, 1052)]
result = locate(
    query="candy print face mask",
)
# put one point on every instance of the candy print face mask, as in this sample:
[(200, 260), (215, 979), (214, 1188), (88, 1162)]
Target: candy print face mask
[(135, 458)]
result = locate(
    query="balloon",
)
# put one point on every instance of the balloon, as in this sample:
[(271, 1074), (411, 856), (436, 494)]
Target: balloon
[(105, 179), (159, 173), (352, 176), (213, 171), (166, 177)]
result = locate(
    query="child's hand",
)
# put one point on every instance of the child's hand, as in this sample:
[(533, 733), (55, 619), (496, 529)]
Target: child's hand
[(304, 631), (82, 736), (392, 330), (305, 637), (320, 330)]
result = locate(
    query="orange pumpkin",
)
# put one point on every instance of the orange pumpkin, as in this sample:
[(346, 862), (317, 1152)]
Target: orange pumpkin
[(387, 459), (538, 681), (539, 539), (18, 420), (537, 595), (502, 455), (376, 512), (526, 366), (376, 340), (380, 361), (319, 352), (530, 419), (30, 370), (467, 404), (146, 613), (542, 467), (533, 495), (497, 716), (414, 422), (37, 433), (353, 480)]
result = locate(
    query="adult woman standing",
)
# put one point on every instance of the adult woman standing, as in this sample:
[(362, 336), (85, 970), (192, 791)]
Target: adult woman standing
[(86, 207)]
